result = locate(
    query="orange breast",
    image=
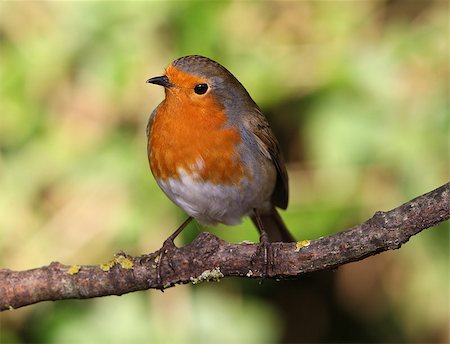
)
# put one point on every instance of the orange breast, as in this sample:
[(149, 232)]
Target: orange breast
[(185, 136)]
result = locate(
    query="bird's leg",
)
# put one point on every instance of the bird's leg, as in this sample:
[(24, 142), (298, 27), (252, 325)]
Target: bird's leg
[(168, 244), (264, 245)]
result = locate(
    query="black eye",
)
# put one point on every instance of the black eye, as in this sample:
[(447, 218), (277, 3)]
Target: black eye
[(201, 88)]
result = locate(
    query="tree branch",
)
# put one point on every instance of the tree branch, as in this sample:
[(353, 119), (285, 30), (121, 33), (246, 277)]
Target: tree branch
[(209, 258)]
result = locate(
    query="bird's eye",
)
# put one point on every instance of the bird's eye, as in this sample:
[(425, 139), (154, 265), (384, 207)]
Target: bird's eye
[(201, 88)]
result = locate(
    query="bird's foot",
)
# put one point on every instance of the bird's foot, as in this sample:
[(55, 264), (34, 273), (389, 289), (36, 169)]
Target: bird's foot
[(167, 247), (163, 253), (264, 255)]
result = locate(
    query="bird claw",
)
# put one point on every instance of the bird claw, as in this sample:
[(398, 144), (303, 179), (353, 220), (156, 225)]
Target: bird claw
[(167, 246), (264, 253)]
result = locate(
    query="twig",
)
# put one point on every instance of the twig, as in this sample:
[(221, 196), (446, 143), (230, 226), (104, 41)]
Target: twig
[(209, 258)]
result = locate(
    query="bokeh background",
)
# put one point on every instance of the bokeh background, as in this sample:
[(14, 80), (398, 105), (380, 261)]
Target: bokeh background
[(356, 92)]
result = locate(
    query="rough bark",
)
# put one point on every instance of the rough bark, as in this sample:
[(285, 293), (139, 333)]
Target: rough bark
[(209, 258)]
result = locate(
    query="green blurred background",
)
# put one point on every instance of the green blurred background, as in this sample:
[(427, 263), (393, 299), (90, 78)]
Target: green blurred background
[(356, 92)]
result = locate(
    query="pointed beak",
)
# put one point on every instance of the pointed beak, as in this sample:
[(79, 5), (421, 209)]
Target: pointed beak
[(160, 80)]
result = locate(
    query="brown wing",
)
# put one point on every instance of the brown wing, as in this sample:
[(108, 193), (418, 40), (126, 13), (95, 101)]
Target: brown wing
[(269, 146)]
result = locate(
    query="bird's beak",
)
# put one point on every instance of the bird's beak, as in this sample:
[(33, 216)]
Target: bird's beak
[(160, 80)]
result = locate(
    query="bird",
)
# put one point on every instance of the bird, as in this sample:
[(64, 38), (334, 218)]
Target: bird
[(212, 152)]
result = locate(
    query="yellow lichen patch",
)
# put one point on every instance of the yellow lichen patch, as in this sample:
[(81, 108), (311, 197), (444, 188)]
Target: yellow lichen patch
[(155, 260), (208, 275), (124, 262), (301, 244), (107, 266), (73, 270)]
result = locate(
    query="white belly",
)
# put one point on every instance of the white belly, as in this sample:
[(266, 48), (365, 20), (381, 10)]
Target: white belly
[(211, 204)]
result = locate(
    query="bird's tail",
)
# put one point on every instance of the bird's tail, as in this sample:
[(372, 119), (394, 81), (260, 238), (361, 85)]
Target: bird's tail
[(274, 226)]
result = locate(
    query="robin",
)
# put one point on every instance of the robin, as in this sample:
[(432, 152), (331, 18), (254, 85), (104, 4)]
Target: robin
[(212, 152)]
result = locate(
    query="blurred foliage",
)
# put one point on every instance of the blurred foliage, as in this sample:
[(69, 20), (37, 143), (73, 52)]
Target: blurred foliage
[(357, 93)]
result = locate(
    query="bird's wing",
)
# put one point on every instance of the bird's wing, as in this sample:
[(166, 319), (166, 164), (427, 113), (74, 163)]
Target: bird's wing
[(269, 147)]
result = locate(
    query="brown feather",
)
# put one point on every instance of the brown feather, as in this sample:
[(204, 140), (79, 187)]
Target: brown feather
[(268, 145)]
